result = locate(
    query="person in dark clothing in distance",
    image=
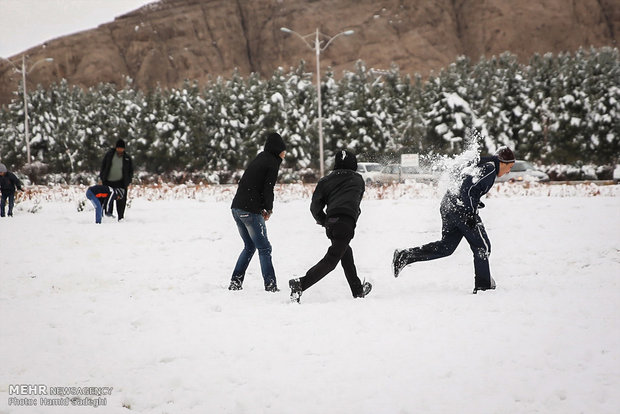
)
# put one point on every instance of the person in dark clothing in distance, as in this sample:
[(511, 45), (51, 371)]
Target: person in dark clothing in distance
[(336, 206), (252, 206), (8, 184), (117, 172), (459, 215)]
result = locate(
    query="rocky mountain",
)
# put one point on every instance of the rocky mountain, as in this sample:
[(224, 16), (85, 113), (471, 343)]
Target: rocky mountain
[(169, 41)]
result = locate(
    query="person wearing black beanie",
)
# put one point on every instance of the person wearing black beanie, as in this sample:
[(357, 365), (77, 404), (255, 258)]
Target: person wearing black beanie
[(117, 172), (252, 206), (336, 206), (459, 215)]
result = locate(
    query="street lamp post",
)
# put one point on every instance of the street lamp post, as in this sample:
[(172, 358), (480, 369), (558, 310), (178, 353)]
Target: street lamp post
[(317, 50), (24, 72)]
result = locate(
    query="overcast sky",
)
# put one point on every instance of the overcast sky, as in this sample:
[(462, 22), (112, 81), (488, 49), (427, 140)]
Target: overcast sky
[(28, 23)]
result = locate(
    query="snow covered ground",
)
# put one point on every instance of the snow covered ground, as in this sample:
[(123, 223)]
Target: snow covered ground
[(142, 306)]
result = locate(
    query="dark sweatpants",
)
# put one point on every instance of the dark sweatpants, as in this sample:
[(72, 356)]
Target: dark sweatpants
[(340, 230), (453, 229)]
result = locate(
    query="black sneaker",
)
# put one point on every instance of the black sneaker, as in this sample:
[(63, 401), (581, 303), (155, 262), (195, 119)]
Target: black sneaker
[(296, 291), (272, 287), (398, 262), (483, 288), (235, 285), (366, 288)]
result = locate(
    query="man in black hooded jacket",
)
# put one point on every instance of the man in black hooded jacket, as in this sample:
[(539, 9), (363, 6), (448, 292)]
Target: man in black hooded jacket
[(459, 215), (252, 206), (336, 206)]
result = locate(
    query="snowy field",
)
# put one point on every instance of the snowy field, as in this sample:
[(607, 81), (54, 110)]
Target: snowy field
[(142, 306)]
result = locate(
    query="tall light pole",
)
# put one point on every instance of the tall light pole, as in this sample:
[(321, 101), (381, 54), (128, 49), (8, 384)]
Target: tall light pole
[(24, 72), (317, 50)]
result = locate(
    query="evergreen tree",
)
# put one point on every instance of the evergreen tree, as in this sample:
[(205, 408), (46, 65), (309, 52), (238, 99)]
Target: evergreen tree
[(562, 108), (600, 86), (448, 113), (299, 99)]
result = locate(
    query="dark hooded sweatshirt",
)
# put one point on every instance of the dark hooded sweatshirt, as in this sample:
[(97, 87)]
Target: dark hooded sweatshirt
[(341, 191), (255, 191)]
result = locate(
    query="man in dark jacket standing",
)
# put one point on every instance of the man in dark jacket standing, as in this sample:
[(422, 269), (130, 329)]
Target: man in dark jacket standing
[(341, 192), (117, 172), (459, 215), (252, 206), (8, 183)]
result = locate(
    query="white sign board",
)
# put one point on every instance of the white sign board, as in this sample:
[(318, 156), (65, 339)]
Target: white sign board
[(410, 160)]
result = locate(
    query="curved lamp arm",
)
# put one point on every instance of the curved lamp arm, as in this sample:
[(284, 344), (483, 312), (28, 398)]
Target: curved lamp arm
[(39, 61), (16, 69), (345, 33), (287, 30)]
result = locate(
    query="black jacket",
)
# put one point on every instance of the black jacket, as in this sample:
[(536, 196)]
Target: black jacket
[(477, 181), (107, 163), (255, 190), (341, 191), (8, 183), (101, 191)]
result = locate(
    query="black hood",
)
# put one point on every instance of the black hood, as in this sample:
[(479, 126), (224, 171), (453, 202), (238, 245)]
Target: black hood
[(275, 144), (345, 160)]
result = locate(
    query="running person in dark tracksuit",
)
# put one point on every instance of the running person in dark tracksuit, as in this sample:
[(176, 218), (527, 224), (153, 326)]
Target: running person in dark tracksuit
[(459, 216), (340, 193)]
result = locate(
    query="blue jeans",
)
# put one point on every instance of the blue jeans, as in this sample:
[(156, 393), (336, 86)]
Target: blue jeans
[(11, 196), (98, 208), (254, 234)]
